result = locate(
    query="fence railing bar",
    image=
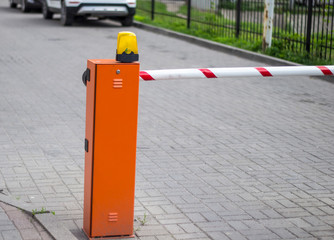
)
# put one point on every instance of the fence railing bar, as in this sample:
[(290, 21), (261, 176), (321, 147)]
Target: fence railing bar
[(313, 22), (237, 20), (309, 24), (152, 9), (188, 14)]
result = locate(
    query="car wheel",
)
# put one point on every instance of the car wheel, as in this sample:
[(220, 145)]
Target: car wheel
[(66, 19), (12, 4), (127, 21), (24, 7), (47, 14)]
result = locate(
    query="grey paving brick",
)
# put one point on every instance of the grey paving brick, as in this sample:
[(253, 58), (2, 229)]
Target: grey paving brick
[(280, 223), (190, 228), (10, 234), (255, 225), (316, 211), (151, 231), (211, 216), (329, 210), (196, 217), (263, 237), (328, 220), (30, 234), (170, 209), (166, 237), (218, 235), (322, 233), (247, 156), (299, 233), (293, 212), (172, 218), (313, 221), (271, 213), (238, 225), (7, 226), (329, 201), (148, 238), (299, 222), (54, 226), (283, 233), (174, 229), (235, 235), (214, 226), (256, 214), (23, 223), (325, 228), (237, 217), (191, 236)]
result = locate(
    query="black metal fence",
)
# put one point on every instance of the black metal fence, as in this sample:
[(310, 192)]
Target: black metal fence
[(300, 27)]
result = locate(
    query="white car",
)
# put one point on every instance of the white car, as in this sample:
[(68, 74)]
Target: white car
[(26, 5), (122, 10)]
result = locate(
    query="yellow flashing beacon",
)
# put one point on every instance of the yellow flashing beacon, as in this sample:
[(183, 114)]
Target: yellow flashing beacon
[(127, 49)]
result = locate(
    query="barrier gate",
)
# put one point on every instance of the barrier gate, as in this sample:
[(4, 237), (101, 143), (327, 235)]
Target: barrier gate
[(110, 144), (111, 131)]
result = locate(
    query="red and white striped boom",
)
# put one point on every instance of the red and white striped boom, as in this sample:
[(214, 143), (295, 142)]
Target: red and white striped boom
[(166, 74)]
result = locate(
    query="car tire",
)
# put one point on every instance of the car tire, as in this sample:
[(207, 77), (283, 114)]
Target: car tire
[(66, 19), (24, 7), (12, 4), (127, 21), (47, 14)]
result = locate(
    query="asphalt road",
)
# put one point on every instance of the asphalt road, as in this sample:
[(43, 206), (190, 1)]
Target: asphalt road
[(246, 158)]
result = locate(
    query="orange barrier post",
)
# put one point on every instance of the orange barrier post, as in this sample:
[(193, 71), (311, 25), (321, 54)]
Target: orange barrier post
[(110, 148)]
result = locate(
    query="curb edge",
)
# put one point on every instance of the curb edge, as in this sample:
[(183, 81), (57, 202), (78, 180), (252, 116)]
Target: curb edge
[(46, 220)]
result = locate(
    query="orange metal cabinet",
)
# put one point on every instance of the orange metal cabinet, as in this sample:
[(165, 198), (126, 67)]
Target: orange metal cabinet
[(110, 157)]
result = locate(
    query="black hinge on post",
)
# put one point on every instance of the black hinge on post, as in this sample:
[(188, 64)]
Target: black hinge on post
[(86, 76), (309, 26), (189, 14), (86, 145)]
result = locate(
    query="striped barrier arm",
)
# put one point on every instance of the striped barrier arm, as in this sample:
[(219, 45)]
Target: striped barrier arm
[(166, 74)]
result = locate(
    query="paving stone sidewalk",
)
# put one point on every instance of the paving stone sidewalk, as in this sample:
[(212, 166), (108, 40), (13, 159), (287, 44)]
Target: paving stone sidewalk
[(15, 224), (233, 158), (8, 229)]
